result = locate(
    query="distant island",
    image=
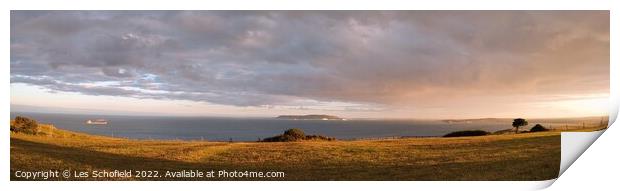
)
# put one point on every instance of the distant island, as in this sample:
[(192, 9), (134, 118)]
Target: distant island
[(309, 117)]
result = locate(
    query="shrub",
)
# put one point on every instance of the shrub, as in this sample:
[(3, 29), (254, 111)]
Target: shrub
[(296, 133), (538, 128), (272, 139), (288, 138), (319, 138), (466, 133), (281, 138), (25, 125)]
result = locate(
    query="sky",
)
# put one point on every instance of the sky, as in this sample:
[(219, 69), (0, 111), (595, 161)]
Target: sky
[(355, 64)]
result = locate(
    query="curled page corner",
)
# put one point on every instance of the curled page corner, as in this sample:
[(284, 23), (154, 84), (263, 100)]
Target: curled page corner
[(574, 144), (542, 184)]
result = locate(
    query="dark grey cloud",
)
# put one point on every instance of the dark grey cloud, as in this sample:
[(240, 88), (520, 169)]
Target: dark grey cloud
[(253, 58)]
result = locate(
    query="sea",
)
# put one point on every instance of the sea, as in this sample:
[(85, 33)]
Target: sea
[(253, 129)]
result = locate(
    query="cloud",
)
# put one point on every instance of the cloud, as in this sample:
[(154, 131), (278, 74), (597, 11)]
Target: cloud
[(261, 58)]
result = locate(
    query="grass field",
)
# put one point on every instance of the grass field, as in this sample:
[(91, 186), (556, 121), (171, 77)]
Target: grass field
[(527, 156)]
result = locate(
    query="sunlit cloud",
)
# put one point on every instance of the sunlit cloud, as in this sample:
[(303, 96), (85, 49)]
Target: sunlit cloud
[(378, 63)]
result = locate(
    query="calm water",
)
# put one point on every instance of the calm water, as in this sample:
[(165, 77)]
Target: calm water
[(251, 129)]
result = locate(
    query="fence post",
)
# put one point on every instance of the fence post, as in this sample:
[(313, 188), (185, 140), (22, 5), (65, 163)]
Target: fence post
[(584, 125)]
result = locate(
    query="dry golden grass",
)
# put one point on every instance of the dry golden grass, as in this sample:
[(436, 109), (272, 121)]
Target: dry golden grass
[(527, 156)]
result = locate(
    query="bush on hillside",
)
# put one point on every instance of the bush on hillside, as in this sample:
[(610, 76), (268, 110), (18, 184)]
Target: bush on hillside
[(297, 135), (319, 138), (466, 133), (538, 128), (281, 138), (25, 125)]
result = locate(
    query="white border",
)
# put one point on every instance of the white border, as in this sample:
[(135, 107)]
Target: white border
[(603, 149)]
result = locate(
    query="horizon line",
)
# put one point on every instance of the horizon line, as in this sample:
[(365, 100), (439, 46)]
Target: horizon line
[(144, 114)]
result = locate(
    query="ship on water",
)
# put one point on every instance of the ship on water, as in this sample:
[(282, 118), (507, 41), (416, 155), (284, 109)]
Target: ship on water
[(96, 122)]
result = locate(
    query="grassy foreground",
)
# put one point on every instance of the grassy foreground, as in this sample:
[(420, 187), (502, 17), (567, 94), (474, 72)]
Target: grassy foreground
[(528, 156)]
